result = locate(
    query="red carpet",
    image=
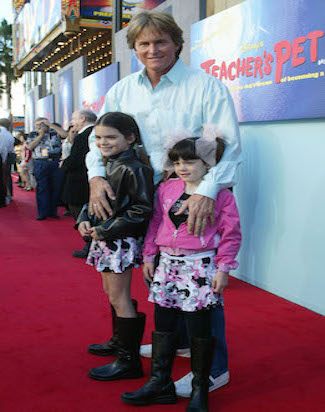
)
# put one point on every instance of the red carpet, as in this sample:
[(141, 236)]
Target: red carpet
[(52, 307)]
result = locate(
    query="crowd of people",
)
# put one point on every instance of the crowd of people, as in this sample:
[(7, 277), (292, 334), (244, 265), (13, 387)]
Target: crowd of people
[(7, 158), (147, 183)]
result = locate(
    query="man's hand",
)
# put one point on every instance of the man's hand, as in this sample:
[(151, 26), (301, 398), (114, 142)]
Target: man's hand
[(148, 270), (98, 204), (84, 229), (46, 122), (42, 132), (220, 281), (201, 208)]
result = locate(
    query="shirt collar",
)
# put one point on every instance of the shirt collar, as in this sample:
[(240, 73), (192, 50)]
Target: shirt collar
[(174, 75), (84, 128)]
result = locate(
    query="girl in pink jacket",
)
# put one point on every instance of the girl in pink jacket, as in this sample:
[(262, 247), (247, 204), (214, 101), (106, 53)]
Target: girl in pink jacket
[(192, 271)]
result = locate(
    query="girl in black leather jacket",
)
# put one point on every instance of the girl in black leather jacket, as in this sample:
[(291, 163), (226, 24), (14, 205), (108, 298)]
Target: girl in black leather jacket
[(117, 241)]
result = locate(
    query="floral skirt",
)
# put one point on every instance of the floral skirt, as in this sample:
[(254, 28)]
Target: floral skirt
[(185, 282), (116, 255)]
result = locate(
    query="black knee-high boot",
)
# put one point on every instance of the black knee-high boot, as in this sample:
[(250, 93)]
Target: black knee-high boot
[(201, 359), (160, 388), (111, 347), (127, 365)]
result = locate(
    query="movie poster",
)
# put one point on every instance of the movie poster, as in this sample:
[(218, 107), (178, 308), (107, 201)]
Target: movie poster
[(93, 88), (65, 97), (45, 107), (270, 54), (29, 112)]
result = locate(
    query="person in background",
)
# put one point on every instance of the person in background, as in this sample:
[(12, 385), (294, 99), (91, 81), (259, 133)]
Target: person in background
[(3, 158), (11, 157), (57, 127), (76, 188), (168, 94), (23, 157), (45, 145), (19, 141), (66, 150), (67, 143)]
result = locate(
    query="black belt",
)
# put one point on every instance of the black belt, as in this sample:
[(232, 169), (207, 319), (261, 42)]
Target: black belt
[(48, 159)]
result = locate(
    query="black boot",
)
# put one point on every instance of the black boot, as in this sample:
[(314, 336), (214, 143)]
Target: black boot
[(160, 388), (201, 359), (127, 365), (111, 347)]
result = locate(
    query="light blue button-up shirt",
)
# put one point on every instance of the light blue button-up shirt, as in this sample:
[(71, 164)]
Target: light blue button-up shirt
[(184, 99)]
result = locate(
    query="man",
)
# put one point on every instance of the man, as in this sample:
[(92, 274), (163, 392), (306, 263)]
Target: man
[(11, 156), (167, 94), (57, 128), (45, 145), (76, 189), (3, 158)]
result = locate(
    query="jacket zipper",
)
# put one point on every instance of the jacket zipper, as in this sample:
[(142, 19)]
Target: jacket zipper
[(203, 242), (174, 238), (176, 232)]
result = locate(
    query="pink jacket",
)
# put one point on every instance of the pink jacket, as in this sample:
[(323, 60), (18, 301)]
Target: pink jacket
[(224, 235)]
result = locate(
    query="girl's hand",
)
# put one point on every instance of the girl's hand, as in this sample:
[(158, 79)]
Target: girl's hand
[(220, 281), (84, 229), (93, 233), (148, 270)]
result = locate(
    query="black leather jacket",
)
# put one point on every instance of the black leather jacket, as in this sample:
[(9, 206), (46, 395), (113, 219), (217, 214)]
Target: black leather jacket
[(132, 183)]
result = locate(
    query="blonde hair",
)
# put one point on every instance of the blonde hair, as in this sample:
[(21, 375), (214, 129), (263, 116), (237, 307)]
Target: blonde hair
[(157, 21)]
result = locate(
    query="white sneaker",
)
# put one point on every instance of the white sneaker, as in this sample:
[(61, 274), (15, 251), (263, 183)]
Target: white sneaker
[(184, 385), (146, 352)]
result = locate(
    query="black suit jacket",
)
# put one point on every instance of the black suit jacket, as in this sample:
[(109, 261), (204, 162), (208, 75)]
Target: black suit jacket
[(76, 187)]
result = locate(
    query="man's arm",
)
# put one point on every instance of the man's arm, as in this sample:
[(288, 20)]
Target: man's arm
[(3, 146), (60, 131), (36, 141), (99, 187), (219, 110)]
